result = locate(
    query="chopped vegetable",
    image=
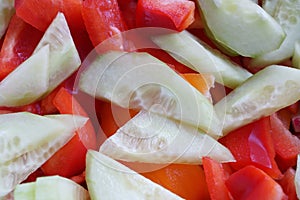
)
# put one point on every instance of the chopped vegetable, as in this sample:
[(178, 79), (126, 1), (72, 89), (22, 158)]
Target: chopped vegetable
[(151, 138), (171, 14)]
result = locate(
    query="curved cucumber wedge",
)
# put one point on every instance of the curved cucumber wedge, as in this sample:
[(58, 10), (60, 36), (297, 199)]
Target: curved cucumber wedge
[(108, 179), (28, 82), (287, 14), (138, 80), (59, 188), (198, 56), (264, 93), (25, 143), (6, 11), (242, 26), (151, 138), (51, 187), (63, 56)]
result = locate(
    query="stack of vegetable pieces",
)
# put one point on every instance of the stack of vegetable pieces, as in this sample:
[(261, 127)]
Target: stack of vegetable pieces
[(232, 136)]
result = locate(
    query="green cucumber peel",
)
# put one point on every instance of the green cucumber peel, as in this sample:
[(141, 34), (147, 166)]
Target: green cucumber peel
[(264, 93), (242, 26), (197, 55), (6, 12)]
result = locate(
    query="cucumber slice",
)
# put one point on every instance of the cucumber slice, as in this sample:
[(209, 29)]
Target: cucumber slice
[(7, 9), (25, 143), (264, 93), (59, 188), (25, 191), (270, 6), (138, 80), (287, 14), (49, 188), (151, 138), (107, 179), (296, 55), (28, 82), (242, 26), (63, 56), (198, 56)]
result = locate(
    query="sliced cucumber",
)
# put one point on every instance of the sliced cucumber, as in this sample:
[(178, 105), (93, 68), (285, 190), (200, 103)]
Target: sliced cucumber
[(28, 82), (151, 138), (138, 80), (270, 6), (25, 191), (59, 188), (50, 188), (7, 10), (242, 26), (63, 55), (264, 93), (287, 14), (107, 179), (198, 56), (25, 143), (296, 55)]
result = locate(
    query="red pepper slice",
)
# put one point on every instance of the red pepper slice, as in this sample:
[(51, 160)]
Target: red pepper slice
[(252, 183), (172, 14), (70, 159), (253, 145)]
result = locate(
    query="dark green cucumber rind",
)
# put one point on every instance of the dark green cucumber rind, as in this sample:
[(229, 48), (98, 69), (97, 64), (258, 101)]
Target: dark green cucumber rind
[(252, 33)]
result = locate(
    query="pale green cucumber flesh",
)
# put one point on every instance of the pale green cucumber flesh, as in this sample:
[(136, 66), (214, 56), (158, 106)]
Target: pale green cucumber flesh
[(264, 93), (25, 191), (63, 56), (28, 82), (199, 56), (296, 55), (270, 6), (138, 80), (287, 14), (6, 11), (150, 138), (108, 179), (15, 170), (242, 26), (59, 188)]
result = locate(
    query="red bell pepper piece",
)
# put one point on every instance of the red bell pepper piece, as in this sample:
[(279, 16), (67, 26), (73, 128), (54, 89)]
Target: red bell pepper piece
[(287, 145), (40, 13), (128, 10), (215, 179), (187, 181), (102, 19), (70, 159), (171, 14), (253, 145), (288, 184), (252, 183), (19, 43)]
